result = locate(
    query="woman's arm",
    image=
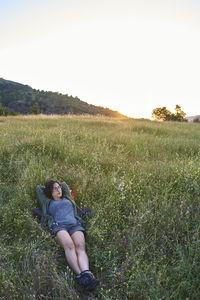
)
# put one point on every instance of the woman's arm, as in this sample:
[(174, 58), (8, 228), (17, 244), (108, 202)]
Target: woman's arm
[(43, 199), (66, 191)]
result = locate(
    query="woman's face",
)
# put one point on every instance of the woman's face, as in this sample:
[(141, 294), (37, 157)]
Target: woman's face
[(57, 191)]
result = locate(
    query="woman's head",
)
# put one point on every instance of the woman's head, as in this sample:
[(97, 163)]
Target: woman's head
[(53, 189)]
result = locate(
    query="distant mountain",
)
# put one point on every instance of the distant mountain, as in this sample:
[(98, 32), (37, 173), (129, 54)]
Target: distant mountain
[(192, 118), (24, 99)]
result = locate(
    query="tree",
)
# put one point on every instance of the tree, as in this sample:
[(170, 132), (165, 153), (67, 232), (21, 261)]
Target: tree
[(180, 115), (163, 114), (0, 98), (3, 111), (35, 109)]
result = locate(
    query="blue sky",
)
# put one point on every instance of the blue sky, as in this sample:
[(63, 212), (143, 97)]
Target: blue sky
[(128, 55)]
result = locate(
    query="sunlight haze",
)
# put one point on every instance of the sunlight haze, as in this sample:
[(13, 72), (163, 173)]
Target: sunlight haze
[(130, 56)]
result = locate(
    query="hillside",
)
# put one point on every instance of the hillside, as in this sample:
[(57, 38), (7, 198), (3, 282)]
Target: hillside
[(21, 98), (141, 181)]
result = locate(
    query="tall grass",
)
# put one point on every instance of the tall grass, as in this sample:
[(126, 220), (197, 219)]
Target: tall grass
[(140, 179)]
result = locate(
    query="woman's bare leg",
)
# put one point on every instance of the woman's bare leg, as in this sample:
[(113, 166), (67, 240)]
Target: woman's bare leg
[(64, 239), (79, 242)]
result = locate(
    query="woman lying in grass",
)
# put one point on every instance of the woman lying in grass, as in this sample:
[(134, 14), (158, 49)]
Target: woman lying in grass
[(67, 228)]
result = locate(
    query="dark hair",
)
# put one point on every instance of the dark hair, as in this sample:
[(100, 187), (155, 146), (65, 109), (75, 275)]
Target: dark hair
[(48, 189)]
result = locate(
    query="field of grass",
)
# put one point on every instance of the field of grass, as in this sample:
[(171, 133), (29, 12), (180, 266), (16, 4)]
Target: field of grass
[(141, 180)]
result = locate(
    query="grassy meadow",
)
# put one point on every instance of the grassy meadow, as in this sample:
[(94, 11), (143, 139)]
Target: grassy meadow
[(141, 180)]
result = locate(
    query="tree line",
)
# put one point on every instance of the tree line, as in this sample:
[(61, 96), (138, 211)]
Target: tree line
[(163, 114)]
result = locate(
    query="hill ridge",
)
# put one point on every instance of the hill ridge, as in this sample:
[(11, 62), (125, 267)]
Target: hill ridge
[(20, 98)]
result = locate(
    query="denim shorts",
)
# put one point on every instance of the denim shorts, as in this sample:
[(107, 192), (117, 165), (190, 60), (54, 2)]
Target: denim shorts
[(67, 227)]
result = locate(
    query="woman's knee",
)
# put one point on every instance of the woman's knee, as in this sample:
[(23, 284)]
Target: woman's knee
[(79, 241), (69, 246), (80, 246)]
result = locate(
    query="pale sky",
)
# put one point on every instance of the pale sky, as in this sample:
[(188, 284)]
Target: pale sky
[(128, 55)]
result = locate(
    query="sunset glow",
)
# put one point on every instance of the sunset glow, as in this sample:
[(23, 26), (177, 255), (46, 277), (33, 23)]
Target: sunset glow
[(130, 56)]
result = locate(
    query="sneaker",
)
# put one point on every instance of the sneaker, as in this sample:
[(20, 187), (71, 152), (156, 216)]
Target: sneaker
[(84, 278), (92, 285), (87, 280)]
